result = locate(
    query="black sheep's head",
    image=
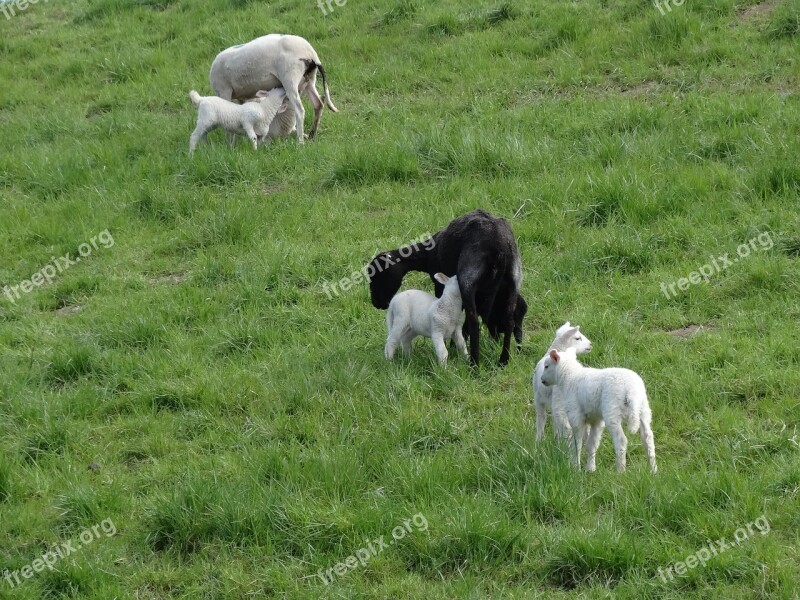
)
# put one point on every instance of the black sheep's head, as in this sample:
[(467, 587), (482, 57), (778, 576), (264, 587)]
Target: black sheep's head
[(384, 279)]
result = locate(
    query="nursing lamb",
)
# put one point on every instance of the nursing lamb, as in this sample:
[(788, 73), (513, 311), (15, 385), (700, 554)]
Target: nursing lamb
[(271, 61)]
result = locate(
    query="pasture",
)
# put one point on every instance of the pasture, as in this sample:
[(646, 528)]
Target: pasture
[(193, 380)]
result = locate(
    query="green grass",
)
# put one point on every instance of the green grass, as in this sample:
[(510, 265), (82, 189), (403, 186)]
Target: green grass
[(194, 383)]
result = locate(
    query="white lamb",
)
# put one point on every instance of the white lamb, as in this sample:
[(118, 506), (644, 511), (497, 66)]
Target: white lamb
[(600, 397), (413, 313), (252, 119), (545, 397)]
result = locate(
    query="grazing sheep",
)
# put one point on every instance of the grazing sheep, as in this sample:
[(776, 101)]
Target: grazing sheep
[(252, 119), (413, 313), (481, 250), (545, 397), (599, 398), (271, 61)]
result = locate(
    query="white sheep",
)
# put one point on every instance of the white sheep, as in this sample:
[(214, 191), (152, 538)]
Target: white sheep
[(271, 61), (545, 397), (599, 398), (413, 313), (252, 119)]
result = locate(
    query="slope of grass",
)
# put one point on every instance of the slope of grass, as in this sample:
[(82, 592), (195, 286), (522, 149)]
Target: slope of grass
[(195, 384)]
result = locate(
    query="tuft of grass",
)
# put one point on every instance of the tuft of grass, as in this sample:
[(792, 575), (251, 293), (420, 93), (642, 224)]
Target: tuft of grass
[(400, 12), (784, 21), (598, 557)]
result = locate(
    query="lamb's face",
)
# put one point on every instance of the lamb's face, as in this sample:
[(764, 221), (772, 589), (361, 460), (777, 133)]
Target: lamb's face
[(553, 362), (549, 372), (573, 338)]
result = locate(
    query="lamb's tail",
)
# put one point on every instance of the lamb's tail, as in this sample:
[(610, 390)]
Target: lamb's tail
[(327, 94), (636, 399), (195, 97)]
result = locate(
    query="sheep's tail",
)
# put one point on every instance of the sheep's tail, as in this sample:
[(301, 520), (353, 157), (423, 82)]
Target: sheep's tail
[(195, 97), (327, 94)]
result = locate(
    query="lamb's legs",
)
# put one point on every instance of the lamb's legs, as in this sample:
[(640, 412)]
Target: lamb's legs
[(461, 344), (199, 134), (646, 434), (440, 347), (593, 441), (561, 427), (406, 342), (251, 135), (620, 444), (391, 345), (541, 420), (227, 94), (577, 441)]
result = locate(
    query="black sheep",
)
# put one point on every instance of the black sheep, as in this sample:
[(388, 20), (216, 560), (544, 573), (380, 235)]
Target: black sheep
[(481, 250)]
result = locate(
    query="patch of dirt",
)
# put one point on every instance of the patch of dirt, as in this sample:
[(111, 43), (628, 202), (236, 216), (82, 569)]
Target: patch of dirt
[(169, 278), (640, 89), (66, 311), (274, 188), (691, 330), (757, 11)]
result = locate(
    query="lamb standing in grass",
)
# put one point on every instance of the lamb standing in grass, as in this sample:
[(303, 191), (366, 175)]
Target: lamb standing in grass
[(600, 397), (545, 397), (413, 313), (252, 119)]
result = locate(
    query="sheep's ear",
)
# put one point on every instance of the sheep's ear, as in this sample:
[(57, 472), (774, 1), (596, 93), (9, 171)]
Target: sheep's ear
[(554, 355), (282, 107), (441, 278), (262, 94)]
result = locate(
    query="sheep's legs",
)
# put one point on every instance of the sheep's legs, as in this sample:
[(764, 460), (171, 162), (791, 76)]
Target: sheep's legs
[(620, 444), (293, 98), (508, 327), (467, 289), (440, 347), (406, 343), (646, 434), (593, 441), (316, 101)]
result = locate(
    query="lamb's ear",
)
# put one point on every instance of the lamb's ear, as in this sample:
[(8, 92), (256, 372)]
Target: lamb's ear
[(570, 332), (282, 107), (441, 278), (554, 355), (262, 94)]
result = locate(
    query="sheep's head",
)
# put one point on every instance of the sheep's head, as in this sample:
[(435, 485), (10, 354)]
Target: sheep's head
[(552, 362), (571, 337), (384, 281)]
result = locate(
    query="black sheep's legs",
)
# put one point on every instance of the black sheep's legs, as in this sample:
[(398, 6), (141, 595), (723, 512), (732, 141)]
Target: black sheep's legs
[(509, 324)]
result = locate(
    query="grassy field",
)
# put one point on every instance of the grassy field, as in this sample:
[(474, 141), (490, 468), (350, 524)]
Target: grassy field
[(189, 381)]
